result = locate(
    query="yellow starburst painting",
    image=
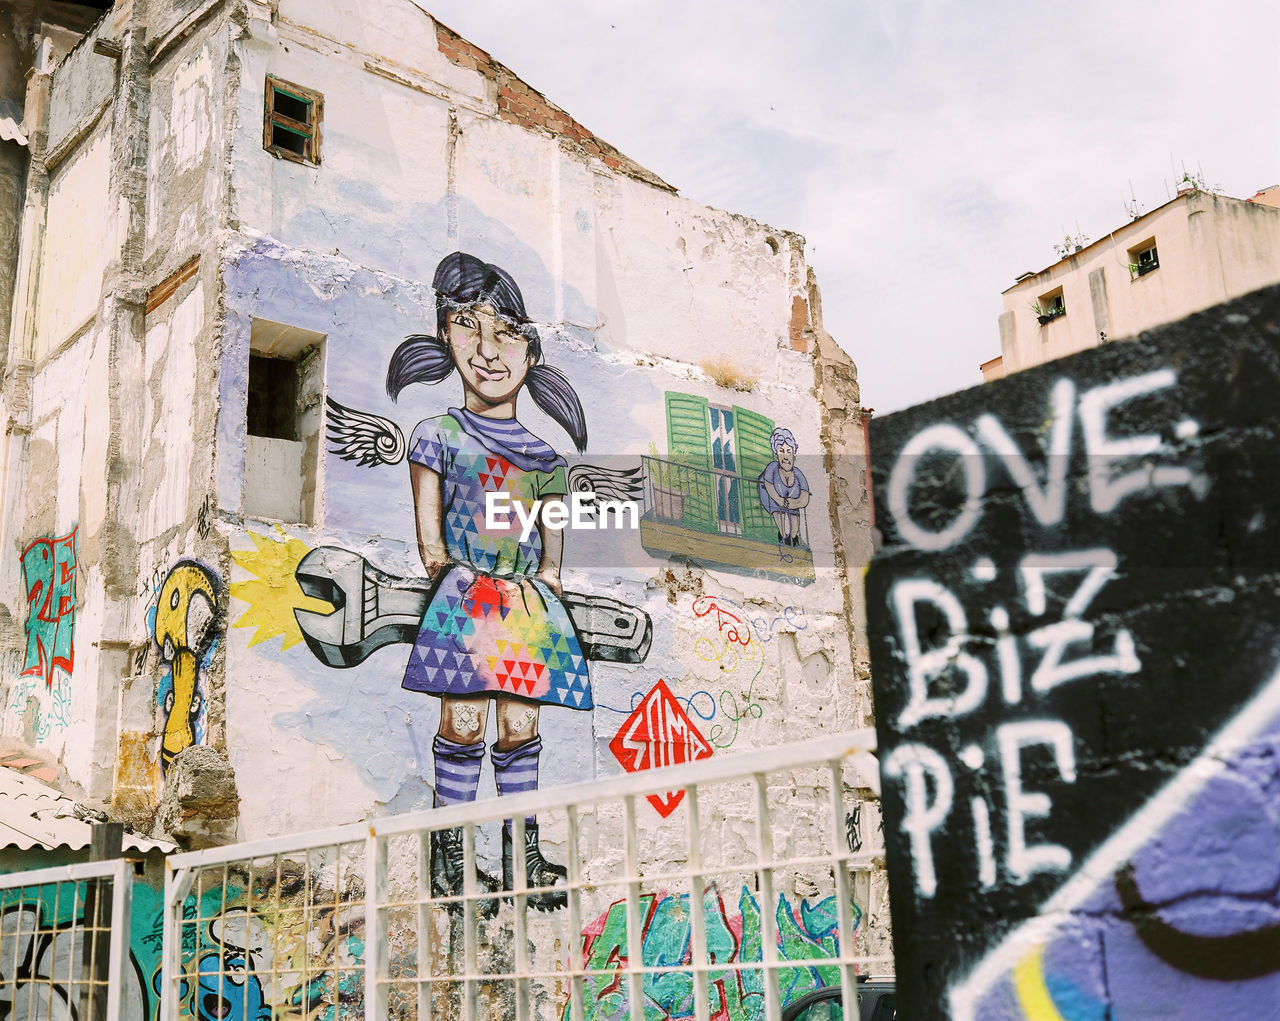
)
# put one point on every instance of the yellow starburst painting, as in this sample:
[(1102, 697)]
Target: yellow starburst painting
[(273, 593)]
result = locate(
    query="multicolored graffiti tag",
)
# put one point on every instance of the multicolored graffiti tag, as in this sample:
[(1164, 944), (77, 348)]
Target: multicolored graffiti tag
[(734, 646), (43, 688), (49, 575), (738, 644), (42, 956), (806, 933), (185, 622), (244, 958)]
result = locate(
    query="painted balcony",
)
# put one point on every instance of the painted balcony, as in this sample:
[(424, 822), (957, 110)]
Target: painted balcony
[(716, 518)]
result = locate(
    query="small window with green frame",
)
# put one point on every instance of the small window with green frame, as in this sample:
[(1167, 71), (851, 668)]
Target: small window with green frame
[(291, 121)]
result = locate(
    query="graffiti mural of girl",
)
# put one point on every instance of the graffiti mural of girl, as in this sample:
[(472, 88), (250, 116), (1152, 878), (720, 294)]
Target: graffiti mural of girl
[(784, 491), (495, 630)]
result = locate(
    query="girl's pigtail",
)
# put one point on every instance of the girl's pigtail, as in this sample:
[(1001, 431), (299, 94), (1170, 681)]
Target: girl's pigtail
[(419, 359), (553, 393)]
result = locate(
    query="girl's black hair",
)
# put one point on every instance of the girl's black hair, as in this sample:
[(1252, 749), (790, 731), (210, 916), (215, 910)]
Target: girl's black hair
[(462, 281)]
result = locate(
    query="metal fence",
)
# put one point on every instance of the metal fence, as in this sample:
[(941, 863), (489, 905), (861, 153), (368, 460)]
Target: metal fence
[(64, 943), (722, 888)]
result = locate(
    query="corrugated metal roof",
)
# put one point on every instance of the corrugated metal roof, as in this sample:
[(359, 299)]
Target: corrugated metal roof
[(11, 122), (33, 814)]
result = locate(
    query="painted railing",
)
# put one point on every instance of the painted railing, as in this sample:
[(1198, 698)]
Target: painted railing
[(348, 923), (64, 943), (708, 500)]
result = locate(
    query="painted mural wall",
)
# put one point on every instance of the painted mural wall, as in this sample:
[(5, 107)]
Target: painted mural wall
[(1076, 682), (269, 546), (497, 318), (492, 318), (565, 633)]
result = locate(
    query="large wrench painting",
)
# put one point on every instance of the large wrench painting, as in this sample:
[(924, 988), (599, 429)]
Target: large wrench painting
[(373, 609)]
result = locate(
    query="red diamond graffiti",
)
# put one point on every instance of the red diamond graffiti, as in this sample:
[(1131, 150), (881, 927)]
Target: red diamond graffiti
[(659, 733)]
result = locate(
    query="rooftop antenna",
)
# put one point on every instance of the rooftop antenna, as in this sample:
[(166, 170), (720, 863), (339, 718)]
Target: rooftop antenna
[(1132, 206)]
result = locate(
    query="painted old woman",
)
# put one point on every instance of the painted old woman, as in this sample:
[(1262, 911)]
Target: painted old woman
[(784, 491)]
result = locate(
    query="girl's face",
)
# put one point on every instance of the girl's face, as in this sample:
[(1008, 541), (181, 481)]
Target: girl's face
[(492, 357)]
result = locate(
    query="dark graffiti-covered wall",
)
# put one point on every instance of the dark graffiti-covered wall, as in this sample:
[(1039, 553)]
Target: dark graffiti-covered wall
[(1075, 624)]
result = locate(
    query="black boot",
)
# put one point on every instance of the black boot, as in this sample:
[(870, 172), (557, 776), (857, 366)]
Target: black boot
[(447, 875), (538, 871)]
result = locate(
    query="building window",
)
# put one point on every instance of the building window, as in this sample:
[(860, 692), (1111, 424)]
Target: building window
[(282, 422), (291, 121), (1143, 259), (1049, 307), (273, 397)]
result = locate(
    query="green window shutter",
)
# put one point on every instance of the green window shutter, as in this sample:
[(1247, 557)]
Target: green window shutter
[(751, 434), (688, 434), (689, 444)]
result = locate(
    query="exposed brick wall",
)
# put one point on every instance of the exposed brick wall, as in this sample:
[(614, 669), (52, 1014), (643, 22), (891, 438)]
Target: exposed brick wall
[(519, 104), (799, 324)]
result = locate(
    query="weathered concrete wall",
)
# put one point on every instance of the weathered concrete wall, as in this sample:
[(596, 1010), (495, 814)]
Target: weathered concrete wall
[(170, 697), (1075, 658), (13, 178), (187, 132), (50, 581), (109, 463), (79, 224), (84, 83), (23, 23)]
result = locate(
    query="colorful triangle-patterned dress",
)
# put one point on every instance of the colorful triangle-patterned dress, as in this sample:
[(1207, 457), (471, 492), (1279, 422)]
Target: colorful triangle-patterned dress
[(491, 627)]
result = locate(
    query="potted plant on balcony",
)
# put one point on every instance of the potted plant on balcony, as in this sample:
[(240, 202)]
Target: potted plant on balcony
[(1047, 315)]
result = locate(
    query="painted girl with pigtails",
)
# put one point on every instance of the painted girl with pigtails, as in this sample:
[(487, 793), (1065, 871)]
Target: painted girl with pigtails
[(495, 630)]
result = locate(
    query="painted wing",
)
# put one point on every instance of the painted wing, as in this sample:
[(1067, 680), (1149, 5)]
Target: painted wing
[(610, 485), (362, 437)]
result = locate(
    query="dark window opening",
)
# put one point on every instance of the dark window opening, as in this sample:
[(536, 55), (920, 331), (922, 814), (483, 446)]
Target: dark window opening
[(291, 121), (287, 138), (1049, 307), (273, 398), (1143, 259), (292, 106)]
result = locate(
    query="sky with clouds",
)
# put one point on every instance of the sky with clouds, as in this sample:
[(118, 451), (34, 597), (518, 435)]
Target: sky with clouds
[(929, 152)]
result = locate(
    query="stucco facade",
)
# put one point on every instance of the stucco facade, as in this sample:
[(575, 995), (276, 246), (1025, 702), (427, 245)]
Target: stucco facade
[(1210, 248), (196, 399)]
